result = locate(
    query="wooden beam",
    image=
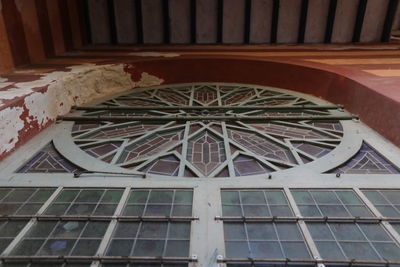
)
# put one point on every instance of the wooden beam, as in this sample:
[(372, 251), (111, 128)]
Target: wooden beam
[(111, 19), (275, 18), (167, 26), (390, 15), (362, 6), (330, 21), (303, 21), (139, 21), (220, 20), (247, 21)]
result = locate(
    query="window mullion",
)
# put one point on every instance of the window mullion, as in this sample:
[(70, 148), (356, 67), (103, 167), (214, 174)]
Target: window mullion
[(302, 224), (111, 227), (388, 227), (30, 224)]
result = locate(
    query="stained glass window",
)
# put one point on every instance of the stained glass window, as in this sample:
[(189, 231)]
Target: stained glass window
[(199, 130)]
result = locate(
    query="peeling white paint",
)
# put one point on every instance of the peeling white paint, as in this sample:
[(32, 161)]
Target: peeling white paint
[(2, 80), (83, 84), (154, 54), (10, 125), (24, 71)]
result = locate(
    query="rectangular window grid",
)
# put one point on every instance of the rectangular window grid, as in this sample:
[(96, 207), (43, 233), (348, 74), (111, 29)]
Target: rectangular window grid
[(23, 201), (330, 203), (87, 202), (264, 240), (360, 241), (387, 202), (49, 264), (62, 238), (254, 203), (159, 202), (9, 230)]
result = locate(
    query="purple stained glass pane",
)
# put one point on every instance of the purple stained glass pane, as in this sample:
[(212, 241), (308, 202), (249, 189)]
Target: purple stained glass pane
[(367, 161), (48, 160)]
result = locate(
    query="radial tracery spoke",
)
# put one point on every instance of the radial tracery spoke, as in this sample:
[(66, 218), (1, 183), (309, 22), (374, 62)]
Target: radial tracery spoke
[(208, 148)]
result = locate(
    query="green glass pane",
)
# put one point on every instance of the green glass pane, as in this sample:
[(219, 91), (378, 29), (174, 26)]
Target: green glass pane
[(90, 196), (105, 209), (95, 229), (4, 242), (153, 230), (177, 248), (230, 197), (320, 231), (81, 209), (374, 232), (179, 230), (295, 250), (325, 197), (42, 229), (231, 211), (29, 209), (392, 195), (86, 247), (237, 249), (182, 210), (252, 197), (12, 228), (269, 250), (28, 247), (120, 248), (261, 231), (302, 197), (255, 210), (359, 211), (388, 251), (150, 248), (67, 195), (387, 211), (283, 211), (375, 197), (112, 196), (334, 211), (161, 196), (19, 195), (158, 210), (346, 231), (234, 231), (57, 247), (57, 209), (359, 251), (69, 229), (126, 230), (275, 197), (8, 208), (348, 197), (133, 210), (309, 210), (288, 231), (3, 193), (138, 196), (183, 197), (329, 250), (42, 195)]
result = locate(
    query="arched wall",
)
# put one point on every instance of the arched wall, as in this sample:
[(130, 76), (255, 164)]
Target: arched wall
[(56, 94)]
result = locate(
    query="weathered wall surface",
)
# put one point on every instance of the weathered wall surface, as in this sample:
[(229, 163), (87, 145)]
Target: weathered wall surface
[(28, 107)]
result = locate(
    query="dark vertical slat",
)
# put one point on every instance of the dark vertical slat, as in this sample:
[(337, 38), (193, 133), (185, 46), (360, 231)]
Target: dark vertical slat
[(167, 26), (111, 18), (87, 22), (193, 19), (274, 23), (44, 25), (247, 21), (139, 21), (390, 14), (303, 21), (220, 20), (330, 21), (362, 6), (66, 24)]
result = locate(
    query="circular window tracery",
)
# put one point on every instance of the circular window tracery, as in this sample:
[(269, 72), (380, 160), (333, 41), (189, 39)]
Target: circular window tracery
[(209, 130)]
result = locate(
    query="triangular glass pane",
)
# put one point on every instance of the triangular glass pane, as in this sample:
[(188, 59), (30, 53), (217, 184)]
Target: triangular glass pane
[(168, 165), (245, 165)]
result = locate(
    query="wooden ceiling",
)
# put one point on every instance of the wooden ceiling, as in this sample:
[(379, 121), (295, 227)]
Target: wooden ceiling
[(239, 21)]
